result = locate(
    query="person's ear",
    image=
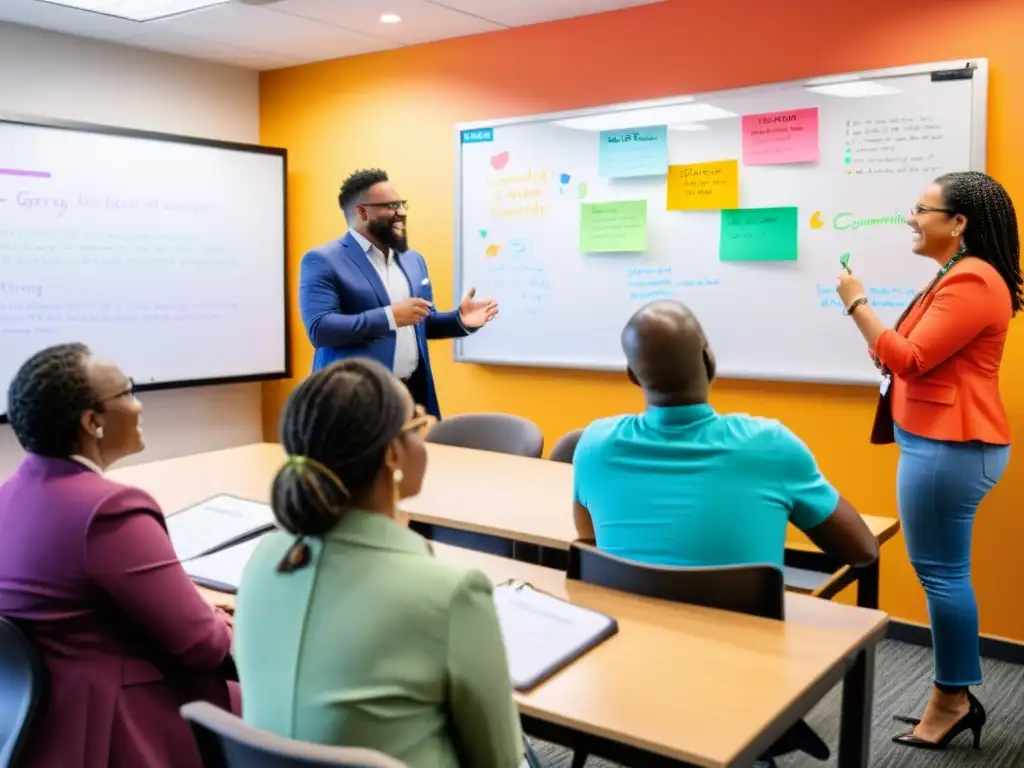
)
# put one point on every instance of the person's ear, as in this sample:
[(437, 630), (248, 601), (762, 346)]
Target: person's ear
[(632, 376), (92, 424), (710, 365), (960, 223)]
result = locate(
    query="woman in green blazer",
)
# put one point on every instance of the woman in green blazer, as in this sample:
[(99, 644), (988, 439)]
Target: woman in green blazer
[(347, 630)]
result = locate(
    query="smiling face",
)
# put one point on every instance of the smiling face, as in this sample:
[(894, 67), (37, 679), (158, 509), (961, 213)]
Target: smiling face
[(382, 215), (938, 229)]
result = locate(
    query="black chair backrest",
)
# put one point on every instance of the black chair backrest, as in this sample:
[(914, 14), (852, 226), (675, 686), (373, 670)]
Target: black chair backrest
[(24, 683), (496, 432), (226, 741), (565, 448), (754, 589)]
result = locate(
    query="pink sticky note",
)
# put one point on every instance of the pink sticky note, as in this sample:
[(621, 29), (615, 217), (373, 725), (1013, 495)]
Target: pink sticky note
[(781, 137)]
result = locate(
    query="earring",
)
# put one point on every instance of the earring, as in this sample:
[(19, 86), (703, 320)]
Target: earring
[(396, 484), (99, 433)]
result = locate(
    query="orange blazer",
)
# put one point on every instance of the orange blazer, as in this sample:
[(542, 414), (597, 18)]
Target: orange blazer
[(945, 357)]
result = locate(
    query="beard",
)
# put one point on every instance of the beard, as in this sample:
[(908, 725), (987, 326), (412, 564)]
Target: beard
[(382, 230)]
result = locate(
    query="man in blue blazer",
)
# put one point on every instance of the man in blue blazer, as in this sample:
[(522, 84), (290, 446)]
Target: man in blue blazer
[(367, 295)]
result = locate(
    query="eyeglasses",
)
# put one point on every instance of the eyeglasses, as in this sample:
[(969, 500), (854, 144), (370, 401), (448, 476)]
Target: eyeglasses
[(917, 210), (128, 391), (393, 205), (421, 422)]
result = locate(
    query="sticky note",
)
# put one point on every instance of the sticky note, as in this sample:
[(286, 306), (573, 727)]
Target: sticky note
[(781, 137), (633, 152), (703, 186), (616, 227), (758, 234)]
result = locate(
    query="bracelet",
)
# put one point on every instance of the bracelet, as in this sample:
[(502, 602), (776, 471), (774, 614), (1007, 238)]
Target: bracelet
[(854, 304)]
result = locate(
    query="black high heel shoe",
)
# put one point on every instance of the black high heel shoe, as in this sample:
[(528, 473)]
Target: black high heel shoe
[(972, 721)]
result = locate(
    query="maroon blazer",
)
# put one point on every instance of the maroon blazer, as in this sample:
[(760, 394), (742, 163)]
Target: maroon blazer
[(88, 571)]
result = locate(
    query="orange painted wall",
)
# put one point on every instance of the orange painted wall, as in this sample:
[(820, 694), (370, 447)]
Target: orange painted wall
[(397, 110)]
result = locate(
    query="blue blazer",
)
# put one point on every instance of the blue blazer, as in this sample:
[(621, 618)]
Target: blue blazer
[(342, 301)]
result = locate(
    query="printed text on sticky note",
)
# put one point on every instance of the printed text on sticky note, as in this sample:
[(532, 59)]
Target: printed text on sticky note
[(633, 152), (759, 234), (781, 137), (703, 186), (617, 227)]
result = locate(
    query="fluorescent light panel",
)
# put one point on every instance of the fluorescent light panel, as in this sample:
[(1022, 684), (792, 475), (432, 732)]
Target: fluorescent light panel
[(138, 10), (638, 118)]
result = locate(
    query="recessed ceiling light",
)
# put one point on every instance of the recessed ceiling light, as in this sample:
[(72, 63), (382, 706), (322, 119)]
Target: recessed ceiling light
[(138, 10), (390, 18)]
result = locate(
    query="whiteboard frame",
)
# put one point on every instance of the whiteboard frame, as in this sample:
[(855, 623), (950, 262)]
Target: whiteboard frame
[(979, 151)]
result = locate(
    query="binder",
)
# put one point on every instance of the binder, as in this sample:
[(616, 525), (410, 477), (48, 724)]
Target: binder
[(544, 634), (215, 523), (222, 569)]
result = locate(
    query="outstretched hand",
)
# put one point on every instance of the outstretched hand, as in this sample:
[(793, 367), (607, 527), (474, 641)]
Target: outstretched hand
[(475, 313)]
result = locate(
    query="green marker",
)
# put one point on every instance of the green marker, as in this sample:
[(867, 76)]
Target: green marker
[(844, 262)]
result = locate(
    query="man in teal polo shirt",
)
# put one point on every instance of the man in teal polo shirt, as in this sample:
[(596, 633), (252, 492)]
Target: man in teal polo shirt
[(682, 485)]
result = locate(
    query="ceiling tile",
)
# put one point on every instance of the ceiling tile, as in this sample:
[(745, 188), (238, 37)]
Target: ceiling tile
[(421, 20), (515, 13), (264, 29), (68, 20), (201, 48)]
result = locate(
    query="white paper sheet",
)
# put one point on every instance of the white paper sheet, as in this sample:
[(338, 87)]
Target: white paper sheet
[(196, 530), (223, 567), (541, 631)]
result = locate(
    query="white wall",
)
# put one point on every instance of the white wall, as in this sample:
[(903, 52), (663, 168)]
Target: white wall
[(51, 75)]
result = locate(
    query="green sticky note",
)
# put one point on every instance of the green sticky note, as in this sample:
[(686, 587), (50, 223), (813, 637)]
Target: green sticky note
[(616, 227), (758, 234)]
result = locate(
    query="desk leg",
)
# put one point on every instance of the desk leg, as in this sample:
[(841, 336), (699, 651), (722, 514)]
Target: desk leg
[(855, 726), (867, 586)]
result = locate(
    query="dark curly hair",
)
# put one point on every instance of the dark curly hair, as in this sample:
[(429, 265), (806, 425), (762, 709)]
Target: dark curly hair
[(47, 397), (335, 428), (354, 186), (991, 232)]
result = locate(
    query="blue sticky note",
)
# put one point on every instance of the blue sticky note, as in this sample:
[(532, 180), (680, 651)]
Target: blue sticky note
[(634, 152)]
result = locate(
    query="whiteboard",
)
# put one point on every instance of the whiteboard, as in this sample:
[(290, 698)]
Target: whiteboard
[(527, 188)]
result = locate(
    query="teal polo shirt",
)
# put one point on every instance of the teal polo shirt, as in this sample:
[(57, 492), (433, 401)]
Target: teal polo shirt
[(686, 486)]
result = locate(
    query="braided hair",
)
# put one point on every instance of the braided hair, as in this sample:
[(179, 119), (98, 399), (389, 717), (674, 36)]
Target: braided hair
[(47, 397), (336, 426), (991, 232)]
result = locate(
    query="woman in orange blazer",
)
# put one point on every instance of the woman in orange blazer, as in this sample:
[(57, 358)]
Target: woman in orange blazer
[(940, 401)]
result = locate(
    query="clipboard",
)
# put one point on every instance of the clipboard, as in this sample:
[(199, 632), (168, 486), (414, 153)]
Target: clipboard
[(216, 523), (222, 569), (544, 634)]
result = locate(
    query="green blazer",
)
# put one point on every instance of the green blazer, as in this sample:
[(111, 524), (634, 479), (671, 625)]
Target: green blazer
[(378, 644)]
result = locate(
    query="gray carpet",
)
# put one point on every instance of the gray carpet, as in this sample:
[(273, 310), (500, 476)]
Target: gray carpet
[(903, 675)]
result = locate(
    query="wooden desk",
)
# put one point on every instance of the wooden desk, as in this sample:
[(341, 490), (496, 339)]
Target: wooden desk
[(523, 500), (681, 685)]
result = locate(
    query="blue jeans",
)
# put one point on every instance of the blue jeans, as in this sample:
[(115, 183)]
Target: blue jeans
[(939, 485)]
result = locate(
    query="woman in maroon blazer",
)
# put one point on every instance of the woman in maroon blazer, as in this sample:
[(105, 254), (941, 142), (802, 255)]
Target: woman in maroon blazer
[(88, 571)]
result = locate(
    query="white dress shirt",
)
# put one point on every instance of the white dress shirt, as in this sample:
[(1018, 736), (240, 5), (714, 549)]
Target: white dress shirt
[(89, 463), (407, 355)]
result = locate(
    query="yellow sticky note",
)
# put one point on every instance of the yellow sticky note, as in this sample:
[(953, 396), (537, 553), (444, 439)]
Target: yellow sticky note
[(703, 186)]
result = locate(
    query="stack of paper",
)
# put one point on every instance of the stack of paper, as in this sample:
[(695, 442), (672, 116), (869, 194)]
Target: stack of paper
[(216, 523), (543, 634)]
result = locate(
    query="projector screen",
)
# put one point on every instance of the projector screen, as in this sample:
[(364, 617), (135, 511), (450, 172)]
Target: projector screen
[(165, 254)]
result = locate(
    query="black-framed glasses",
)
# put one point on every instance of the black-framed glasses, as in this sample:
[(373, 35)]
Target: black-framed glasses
[(128, 391), (917, 210), (393, 205)]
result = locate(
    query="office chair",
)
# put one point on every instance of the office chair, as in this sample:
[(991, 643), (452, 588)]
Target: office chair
[(225, 741), (496, 432), (758, 590), (565, 448), (24, 682)]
